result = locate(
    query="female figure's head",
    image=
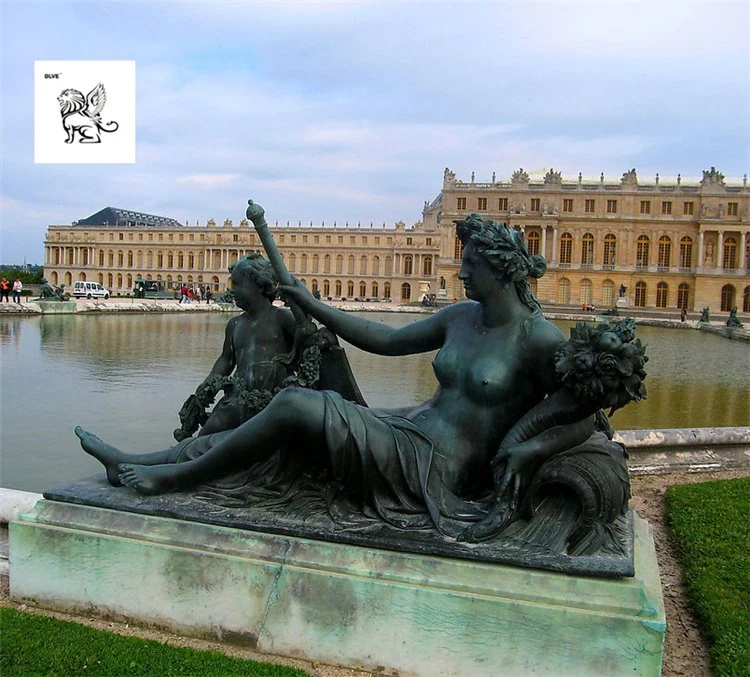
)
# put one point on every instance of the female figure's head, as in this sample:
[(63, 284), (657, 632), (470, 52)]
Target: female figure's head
[(504, 250), (255, 269)]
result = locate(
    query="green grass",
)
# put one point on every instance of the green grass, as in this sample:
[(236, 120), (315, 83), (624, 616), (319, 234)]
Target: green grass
[(710, 527), (37, 645)]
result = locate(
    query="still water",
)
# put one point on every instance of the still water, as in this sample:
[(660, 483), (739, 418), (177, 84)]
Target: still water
[(126, 377)]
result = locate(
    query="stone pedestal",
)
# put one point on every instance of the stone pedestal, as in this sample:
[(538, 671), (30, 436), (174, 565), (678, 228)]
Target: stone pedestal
[(622, 302), (339, 604)]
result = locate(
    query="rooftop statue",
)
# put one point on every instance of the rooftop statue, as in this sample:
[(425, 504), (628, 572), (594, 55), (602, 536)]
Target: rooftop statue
[(511, 448)]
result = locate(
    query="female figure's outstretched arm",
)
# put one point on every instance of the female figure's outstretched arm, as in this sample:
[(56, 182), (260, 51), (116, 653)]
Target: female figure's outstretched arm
[(377, 337)]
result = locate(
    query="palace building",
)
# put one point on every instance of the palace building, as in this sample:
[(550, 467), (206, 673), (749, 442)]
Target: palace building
[(667, 243)]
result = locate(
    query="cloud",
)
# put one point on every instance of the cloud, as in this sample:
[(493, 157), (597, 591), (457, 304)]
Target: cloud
[(208, 180)]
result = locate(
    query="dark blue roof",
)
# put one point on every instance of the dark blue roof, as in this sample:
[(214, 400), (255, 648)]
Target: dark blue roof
[(112, 216)]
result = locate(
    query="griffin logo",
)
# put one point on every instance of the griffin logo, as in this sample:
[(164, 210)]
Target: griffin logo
[(83, 115)]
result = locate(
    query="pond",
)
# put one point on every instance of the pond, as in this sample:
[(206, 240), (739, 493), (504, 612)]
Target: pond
[(125, 377)]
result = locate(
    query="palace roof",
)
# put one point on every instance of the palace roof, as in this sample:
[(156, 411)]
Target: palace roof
[(113, 216)]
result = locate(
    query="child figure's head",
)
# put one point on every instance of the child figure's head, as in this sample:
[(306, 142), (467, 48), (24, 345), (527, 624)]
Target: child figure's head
[(257, 270)]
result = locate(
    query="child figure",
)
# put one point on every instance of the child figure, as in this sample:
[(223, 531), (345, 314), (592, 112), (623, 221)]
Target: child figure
[(254, 345)]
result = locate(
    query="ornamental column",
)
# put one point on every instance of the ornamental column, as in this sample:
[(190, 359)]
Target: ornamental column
[(554, 245), (544, 241), (700, 249)]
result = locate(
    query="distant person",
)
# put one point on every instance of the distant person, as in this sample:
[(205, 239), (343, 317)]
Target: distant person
[(208, 294), (5, 290), (17, 287), (184, 294), (683, 314)]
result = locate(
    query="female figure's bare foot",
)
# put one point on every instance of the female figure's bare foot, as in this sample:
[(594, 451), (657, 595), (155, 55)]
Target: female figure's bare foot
[(149, 479), (108, 455)]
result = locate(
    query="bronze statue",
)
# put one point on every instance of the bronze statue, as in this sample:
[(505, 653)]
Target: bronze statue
[(515, 412), (733, 321), (49, 292), (254, 343), (705, 317)]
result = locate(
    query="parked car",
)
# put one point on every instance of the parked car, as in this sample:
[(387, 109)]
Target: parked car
[(90, 290)]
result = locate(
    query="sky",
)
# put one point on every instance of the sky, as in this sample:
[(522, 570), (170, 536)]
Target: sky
[(350, 111)]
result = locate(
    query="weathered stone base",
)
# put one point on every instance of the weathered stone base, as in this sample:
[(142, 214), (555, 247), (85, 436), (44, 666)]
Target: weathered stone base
[(339, 604)]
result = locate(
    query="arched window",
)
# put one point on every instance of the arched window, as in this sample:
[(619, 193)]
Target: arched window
[(563, 291), (662, 291), (387, 290), (119, 280), (376, 265), (314, 285), (130, 281), (101, 258), (640, 294), (587, 250), (532, 243), (100, 279), (350, 288), (375, 289), (149, 259), (683, 295), (727, 297), (664, 255), (608, 293), (350, 264), (363, 265), (82, 277), (110, 259), (292, 262), (338, 288), (610, 251), (120, 259), (70, 256), (405, 292), (180, 260), (139, 258), (388, 265), (315, 263), (327, 263), (746, 300), (427, 265), (110, 280), (458, 248), (326, 288), (339, 264), (566, 249), (215, 282), (729, 259), (191, 260), (362, 288), (53, 277), (586, 291), (303, 263), (641, 251), (408, 261), (686, 254)]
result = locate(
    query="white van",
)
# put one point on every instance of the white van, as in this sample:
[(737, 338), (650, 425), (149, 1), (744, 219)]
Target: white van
[(90, 290)]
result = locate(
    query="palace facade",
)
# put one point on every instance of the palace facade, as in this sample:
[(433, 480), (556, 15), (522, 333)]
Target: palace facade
[(669, 243)]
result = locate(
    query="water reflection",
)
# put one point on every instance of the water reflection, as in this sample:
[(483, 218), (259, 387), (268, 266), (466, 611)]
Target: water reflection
[(126, 377)]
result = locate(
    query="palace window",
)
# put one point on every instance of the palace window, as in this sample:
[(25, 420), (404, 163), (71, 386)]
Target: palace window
[(666, 207), (563, 291), (170, 260), (375, 267), (608, 293), (664, 254), (532, 243), (683, 295), (536, 204), (589, 206), (502, 204), (727, 297), (352, 239), (587, 250), (732, 208), (292, 263), (610, 251), (640, 294), (586, 291), (460, 203), (327, 263), (293, 239), (662, 291), (326, 287), (339, 239), (611, 206), (408, 261), (350, 264), (375, 289), (363, 265), (482, 204), (362, 288), (688, 208), (387, 290), (427, 266), (315, 263), (120, 236), (405, 292), (304, 239), (567, 205), (458, 248), (645, 206), (364, 239), (101, 258), (428, 241), (686, 253), (641, 254), (350, 288), (566, 249), (303, 264), (409, 241), (729, 259), (339, 264)]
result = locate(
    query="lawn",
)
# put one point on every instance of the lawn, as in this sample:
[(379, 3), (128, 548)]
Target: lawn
[(710, 527), (38, 645)]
